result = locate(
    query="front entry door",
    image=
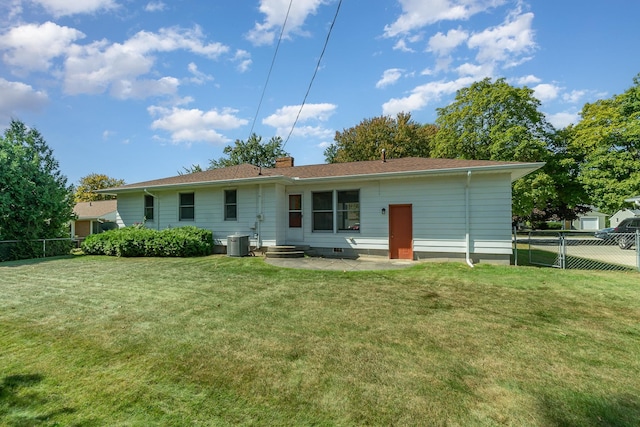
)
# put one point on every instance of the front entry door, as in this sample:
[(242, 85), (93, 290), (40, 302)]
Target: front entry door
[(400, 232), (295, 230)]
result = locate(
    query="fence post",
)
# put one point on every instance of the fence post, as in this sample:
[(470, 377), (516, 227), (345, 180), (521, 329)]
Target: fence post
[(515, 246), (44, 248), (563, 251), (638, 249)]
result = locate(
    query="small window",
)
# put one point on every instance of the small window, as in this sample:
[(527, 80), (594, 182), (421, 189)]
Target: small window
[(148, 208), (230, 205), (348, 210), (295, 210), (187, 206), (322, 206)]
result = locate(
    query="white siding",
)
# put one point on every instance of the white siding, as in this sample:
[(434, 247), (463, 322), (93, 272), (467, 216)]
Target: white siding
[(438, 206), (439, 215)]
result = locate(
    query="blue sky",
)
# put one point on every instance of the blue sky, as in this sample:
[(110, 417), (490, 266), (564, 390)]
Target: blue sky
[(138, 89)]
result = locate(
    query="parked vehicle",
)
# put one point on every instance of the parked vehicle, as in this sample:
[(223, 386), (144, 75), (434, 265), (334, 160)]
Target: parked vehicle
[(625, 232), (605, 233)]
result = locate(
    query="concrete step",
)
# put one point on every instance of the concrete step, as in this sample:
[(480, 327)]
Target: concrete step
[(290, 254), (286, 251)]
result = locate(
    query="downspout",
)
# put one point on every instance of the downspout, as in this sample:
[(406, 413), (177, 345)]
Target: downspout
[(155, 198), (467, 218), (259, 217)]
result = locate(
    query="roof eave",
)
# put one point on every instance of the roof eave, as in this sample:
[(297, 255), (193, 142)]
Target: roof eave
[(517, 171), (221, 183)]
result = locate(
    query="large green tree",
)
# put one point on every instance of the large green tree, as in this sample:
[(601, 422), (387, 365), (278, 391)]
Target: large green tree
[(399, 137), (86, 189), (608, 140), (493, 120), (253, 152), (35, 201)]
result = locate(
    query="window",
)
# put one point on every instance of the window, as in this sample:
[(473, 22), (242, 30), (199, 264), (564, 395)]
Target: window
[(187, 207), (322, 211), (295, 210), (346, 210), (148, 208), (230, 205)]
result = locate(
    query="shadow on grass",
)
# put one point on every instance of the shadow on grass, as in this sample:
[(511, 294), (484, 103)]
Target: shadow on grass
[(584, 410), (33, 261), (20, 405)]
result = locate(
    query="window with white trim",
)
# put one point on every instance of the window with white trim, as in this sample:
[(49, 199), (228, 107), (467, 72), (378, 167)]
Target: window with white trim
[(148, 207), (230, 205), (187, 209), (335, 211)]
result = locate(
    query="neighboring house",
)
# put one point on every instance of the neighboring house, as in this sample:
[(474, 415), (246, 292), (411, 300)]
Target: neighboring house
[(409, 208), (590, 221), (617, 217), (90, 217)]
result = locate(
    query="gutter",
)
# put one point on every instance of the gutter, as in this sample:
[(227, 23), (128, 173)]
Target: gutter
[(467, 218)]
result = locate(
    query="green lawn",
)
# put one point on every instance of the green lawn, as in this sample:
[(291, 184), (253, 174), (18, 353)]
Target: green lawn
[(90, 341)]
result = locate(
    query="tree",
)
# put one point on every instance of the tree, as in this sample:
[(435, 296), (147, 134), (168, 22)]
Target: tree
[(496, 121), (493, 121), (190, 169), (399, 137), (608, 139), (35, 201), (86, 190), (253, 152)]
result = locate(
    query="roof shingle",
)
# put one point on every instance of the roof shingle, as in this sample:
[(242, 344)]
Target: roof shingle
[(245, 171)]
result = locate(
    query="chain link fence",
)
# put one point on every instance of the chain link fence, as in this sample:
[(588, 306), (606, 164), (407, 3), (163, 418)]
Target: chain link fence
[(39, 248), (581, 250)]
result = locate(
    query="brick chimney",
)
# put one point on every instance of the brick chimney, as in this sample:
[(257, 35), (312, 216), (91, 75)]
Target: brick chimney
[(284, 162)]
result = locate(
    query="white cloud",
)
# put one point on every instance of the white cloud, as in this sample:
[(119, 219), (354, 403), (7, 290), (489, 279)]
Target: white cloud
[(17, 96), (562, 120), (141, 89), (243, 59), (574, 96), (275, 12), (32, 47), (527, 80), (546, 91), (443, 44), (198, 76), (423, 95), (155, 6), (402, 46), (417, 14), (285, 117), (504, 42), (389, 77), (478, 72), (93, 68), (194, 125), (67, 7)]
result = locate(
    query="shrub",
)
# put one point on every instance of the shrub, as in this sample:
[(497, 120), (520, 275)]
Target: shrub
[(137, 242)]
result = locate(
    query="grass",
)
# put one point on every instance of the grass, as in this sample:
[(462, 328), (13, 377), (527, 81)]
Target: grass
[(90, 341)]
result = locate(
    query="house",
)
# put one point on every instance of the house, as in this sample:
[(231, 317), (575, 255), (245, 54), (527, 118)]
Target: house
[(408, 208), (91, 217), (592, 220), (617, 217)]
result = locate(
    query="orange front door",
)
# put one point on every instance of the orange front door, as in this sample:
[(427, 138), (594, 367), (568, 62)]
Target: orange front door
[(400, 232)]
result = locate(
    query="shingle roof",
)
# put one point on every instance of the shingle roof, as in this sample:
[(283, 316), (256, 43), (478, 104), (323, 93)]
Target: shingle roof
[(95, 209), (373, 167)]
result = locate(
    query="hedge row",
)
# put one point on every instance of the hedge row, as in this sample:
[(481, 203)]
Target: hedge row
[(144, 242)]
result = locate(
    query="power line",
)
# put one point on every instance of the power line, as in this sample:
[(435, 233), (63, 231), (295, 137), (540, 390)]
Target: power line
[(314, 73), (273, 61)]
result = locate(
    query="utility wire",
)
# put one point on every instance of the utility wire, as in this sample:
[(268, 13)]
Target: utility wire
[(314, 73), (273, 61)]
